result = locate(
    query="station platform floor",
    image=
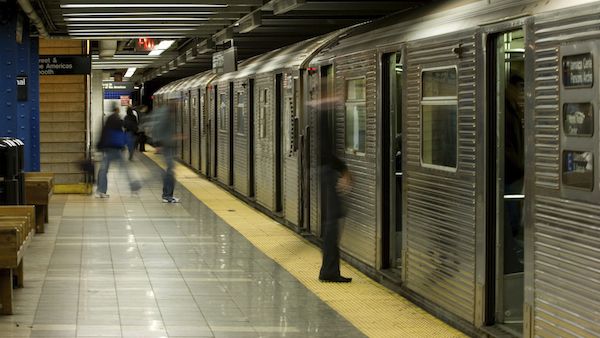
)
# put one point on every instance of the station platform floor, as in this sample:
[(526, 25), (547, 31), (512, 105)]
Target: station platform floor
[(210, 266)]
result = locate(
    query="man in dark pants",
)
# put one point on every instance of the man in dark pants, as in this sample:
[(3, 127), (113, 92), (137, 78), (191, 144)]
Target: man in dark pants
[(335, 179), (165, 135)]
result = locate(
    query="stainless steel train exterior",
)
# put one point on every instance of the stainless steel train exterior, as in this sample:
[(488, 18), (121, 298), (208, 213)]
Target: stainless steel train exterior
[(470, 129)]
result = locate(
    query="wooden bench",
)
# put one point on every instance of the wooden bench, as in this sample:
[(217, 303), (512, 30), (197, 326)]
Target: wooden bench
[(17, 226), (38, 190)]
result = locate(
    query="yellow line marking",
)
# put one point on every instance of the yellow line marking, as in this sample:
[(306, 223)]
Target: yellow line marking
[(373, 309)]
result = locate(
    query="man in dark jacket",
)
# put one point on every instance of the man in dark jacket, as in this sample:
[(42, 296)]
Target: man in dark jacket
[(112, 141), (131, 127), (335, 180)]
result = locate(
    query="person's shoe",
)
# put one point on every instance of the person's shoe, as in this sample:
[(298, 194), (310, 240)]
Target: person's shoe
[(170, 199), (102, 195), (337, 279)]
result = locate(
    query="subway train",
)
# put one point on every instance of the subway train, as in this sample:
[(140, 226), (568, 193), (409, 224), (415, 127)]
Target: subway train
[(470, 130)]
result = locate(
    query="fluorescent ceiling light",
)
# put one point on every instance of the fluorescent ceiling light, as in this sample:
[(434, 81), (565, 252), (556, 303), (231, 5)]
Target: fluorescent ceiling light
[(165, 44), (137, 13), (149, 30), (112, 37), (141, 24), (142, 5), (156, 52), (130, 72), (139, 19), (161, 47)]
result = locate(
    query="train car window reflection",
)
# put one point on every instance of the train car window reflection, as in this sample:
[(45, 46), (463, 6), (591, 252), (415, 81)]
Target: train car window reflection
[(241, 113), (578, 169), (439, 107), (263, 103), (356, 115), (222, 112), (578, 119)]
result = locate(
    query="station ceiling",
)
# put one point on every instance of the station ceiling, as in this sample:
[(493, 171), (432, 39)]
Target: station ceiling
[(199, 28)]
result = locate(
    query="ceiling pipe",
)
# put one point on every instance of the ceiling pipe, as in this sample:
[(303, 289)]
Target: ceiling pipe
[(32, 15), (37, 21), (108, 48)]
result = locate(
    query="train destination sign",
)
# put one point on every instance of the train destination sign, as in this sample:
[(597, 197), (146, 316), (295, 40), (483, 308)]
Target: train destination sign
[(578, 70), (65, 65)]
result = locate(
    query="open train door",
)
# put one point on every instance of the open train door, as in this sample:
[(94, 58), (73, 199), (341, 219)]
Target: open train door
[(391, 166), (505, 177)]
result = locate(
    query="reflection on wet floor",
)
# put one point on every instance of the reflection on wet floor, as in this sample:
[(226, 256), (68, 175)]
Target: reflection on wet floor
[(131, 266)]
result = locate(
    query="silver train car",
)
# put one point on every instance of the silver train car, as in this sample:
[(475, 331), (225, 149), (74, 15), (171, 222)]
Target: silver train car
[(471, 132)]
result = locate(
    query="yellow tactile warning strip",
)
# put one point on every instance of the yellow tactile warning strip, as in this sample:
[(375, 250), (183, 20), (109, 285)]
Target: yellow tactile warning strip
[(373, 309)]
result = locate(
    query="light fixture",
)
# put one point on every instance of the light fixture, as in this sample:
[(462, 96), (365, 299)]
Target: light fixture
[(129, 73), (164, 44), (141, 24), (139, 19), (161, 47), (136, 13), (108, 30), (147, 5)]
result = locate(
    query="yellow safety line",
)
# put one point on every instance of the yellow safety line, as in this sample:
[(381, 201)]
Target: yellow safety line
[(370, 307)]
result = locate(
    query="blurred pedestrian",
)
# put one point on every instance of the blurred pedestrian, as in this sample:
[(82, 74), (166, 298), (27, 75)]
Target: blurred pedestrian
[(335, 181), (131, 128), (142, 126), (112, 141), (165, 137)]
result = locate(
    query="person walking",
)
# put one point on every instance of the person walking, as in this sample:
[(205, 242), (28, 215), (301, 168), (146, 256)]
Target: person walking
[(131, 128), (165, 137), (335, 181), (112, 141), (142, 126)]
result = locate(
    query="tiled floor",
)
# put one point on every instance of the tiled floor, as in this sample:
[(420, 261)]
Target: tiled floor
[(131, 266)]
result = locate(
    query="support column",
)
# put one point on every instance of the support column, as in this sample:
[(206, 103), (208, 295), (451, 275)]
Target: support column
[(19, 118)]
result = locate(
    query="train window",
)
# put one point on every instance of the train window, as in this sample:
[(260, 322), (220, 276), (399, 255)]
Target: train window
[(439, 107), (578, 119), (241, 112), (356, 115), (263, 102), (578, 71), (578, 169), (222, 112)]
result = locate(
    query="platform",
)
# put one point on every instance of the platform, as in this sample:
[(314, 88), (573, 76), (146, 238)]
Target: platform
[(211, 266)]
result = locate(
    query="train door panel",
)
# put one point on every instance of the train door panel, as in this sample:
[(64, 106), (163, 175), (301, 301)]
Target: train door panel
[(185, 128), (290, 158), (231, 133), (213, 131), (178, 125), (204, 135), (250, 127), (391, 127), (506, 174), (195, 123), (278, 143), (312, 201), (326, 106)]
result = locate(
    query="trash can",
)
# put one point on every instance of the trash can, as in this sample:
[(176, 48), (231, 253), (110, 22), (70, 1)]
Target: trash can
[(12, 178)]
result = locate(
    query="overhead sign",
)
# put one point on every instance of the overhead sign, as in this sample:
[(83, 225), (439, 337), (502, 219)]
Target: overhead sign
[(225, 61), (65, 64), (144, 44)]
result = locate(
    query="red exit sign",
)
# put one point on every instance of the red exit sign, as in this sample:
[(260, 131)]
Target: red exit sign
[(145, 44)]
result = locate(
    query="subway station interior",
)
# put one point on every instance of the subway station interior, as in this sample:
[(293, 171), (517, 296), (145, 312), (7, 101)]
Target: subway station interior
[(299, 168)]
